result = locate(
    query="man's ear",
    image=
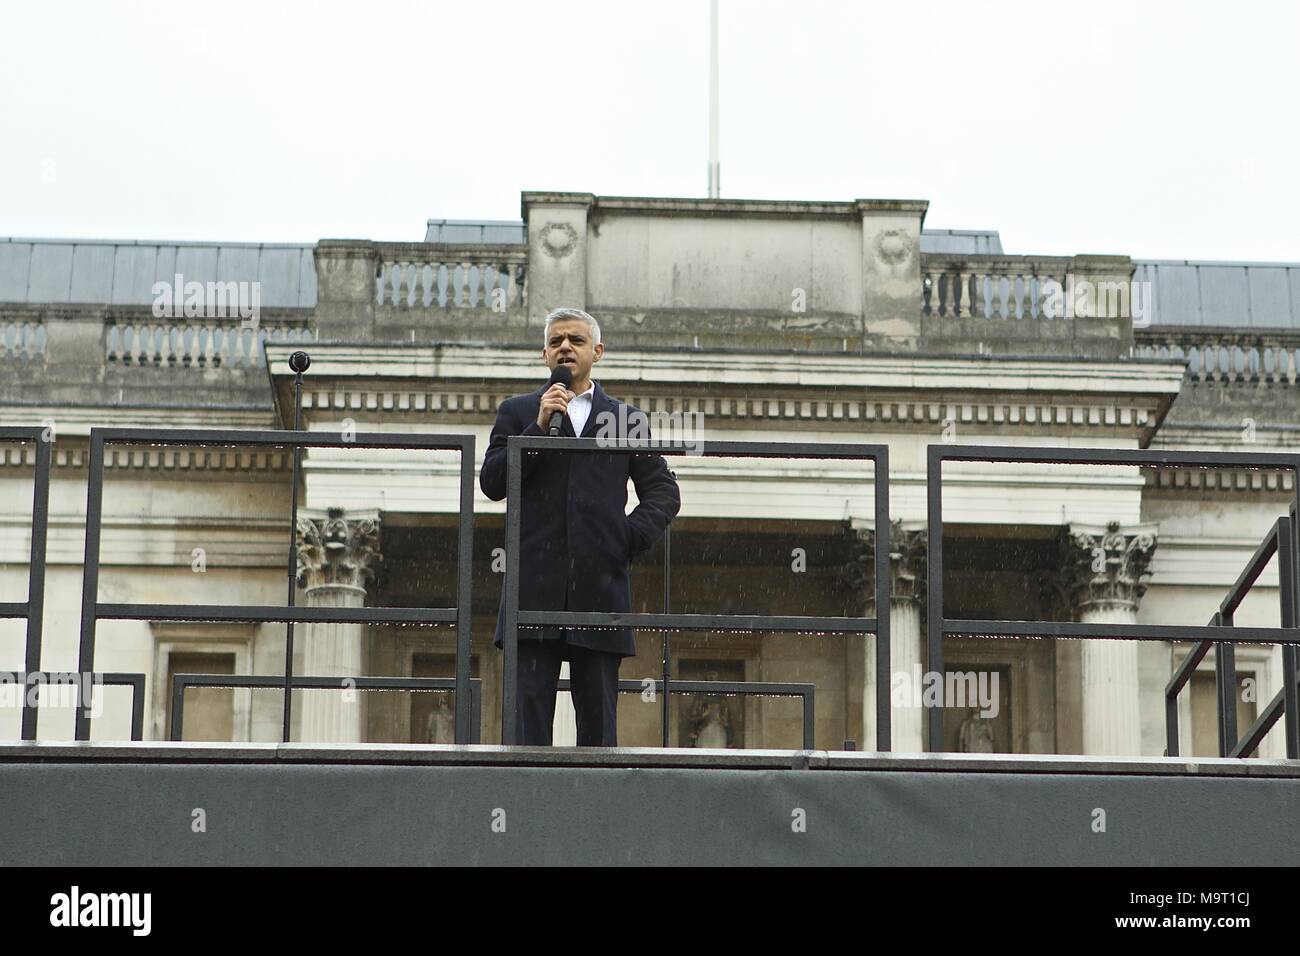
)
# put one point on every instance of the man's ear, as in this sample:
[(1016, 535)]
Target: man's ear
[(599, 351)]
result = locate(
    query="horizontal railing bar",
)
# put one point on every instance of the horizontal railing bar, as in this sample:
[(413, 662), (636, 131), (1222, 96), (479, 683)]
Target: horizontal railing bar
[(110, 679), (1123, 632), (1106, 456), (274, 682), (268, 613), (775, 689), (14, 609), (258, 437), (710, 449), (700, 622)]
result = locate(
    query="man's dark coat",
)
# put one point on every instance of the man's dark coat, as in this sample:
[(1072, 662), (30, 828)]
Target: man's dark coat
[(576, 538)]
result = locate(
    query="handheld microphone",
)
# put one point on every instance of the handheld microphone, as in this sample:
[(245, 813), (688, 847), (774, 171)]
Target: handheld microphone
[(564, 375)]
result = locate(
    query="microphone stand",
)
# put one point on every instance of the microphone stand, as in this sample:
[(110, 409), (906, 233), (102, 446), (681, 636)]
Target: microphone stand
[(299, 362)]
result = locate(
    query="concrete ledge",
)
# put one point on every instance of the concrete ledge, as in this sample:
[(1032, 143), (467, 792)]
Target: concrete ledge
[(492, 755), (109, 804)]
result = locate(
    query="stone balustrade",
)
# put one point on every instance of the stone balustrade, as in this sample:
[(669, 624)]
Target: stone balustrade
[(22, 339), (448, 276), (1225, 355), (1024, 287), (206, 344)]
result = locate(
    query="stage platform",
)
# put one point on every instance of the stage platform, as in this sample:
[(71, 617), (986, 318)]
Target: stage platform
[(95, 804)]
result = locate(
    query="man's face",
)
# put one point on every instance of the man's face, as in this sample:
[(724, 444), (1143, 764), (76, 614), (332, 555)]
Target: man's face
[(569, 343)]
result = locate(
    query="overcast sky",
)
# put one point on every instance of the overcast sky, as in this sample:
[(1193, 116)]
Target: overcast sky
[(1158, 130)]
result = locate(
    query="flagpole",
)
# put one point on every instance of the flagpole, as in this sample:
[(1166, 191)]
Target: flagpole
[(715, 166)]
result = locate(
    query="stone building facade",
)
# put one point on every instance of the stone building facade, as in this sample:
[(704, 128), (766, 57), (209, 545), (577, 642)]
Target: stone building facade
[(764, 320)]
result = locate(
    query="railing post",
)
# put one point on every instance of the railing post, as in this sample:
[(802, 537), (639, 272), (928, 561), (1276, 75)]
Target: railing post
[(884, 598), (510, 617), (666, 653), (36, 571), (90, 573), (1225, 682), (1287, 567), (467, 718), (934, 590), (1171, 724)]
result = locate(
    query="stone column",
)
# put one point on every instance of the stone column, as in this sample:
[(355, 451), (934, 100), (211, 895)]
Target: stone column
[(336, 557), (907, 549), (1104, 577)]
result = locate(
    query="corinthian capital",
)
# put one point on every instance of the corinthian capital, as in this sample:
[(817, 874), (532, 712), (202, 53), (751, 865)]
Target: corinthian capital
[(1108, 567), (336, 548), (907, 550)]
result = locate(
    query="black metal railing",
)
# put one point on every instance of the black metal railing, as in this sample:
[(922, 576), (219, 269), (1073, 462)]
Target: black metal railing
[(83, 687), (182, 683), (93, 610), (1285, 705), (805, 692), (1220, 634), (513, 616), (1280, 542), (32, 610)]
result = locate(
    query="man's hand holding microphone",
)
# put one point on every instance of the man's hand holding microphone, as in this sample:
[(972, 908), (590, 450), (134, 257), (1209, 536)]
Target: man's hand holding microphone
[(555, 400)]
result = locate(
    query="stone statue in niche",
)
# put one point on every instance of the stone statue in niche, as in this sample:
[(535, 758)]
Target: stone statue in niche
[(976, 735), (440, 728), (710, 723)]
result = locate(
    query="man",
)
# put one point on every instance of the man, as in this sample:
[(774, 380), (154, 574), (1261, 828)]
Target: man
[(575, 538)]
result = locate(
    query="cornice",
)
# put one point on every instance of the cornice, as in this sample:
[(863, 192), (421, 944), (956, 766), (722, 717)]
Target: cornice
[(1239, 480), (451, 401), (880, 392), (76, 421), (72, 425), (697, 207), (193, 462), (443, 363), (1212, 437)]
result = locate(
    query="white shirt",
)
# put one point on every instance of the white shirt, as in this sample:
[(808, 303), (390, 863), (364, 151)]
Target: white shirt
[(580, 409)]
